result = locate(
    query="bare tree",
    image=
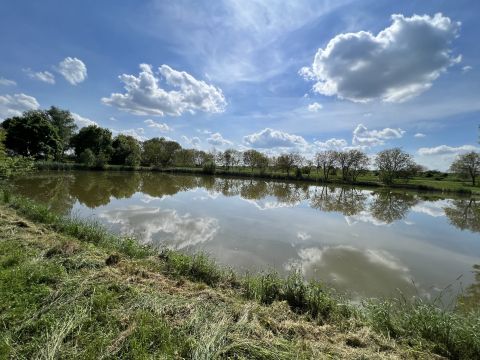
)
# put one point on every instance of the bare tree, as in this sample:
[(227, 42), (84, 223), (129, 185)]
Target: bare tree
[(393, 164), (288, 161), (467, 165), (359, 162), (325, 160)]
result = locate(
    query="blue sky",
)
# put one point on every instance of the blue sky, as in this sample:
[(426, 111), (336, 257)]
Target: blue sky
[(275, 75)]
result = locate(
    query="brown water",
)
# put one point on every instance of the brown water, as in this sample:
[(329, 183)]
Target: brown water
[(363, 242)]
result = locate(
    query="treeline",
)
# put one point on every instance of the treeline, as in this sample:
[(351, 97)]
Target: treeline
[(52, 135)]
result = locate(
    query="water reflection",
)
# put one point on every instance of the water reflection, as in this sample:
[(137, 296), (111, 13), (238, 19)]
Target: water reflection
[(95, 189), (367, 243), (470, 298)]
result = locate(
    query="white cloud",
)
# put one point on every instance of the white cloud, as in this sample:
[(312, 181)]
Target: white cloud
[(14, 105), (364, 137), (398, 63), (44, 76), (446, 150), (73, 70), (315, 107), (81, 121), (144, 96), (269, 138), (419, 135), (137, 133), (441, 157), (467, 68), (163, 226), (193, 141), (302, 235), (332, 144), (7, 82), (432, 208), (160, 126), (217, 139)]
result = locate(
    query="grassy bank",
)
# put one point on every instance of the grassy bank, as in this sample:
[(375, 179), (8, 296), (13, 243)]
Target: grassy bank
[(70, 289), (445, 184)]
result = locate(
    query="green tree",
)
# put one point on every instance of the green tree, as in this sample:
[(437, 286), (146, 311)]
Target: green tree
[(467, 165), (184, 157), (87, 158), (32, 134), (2, 143), (95, 138), (288, 161), (394, 164), (126, 150), (159, 152), (64, 122)]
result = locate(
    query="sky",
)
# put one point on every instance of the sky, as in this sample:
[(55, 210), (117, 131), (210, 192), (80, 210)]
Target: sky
[(276, 76)]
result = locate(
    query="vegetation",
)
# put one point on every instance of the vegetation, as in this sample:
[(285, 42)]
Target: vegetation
[(467, 165), (69, 289), (51, 135)]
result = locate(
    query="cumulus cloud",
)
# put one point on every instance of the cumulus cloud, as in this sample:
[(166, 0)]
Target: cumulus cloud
[(398, 63), (137, 133), (419, 135), (466, 68), (15, 105), (364, 137), (332, 144), (446, 150), (193, 141), (164, 227), (73, 70), (7, 82), (144, 96), (315, 107), (217, 139), (269, 138), (160, 126), (81, 121), (44, 76)]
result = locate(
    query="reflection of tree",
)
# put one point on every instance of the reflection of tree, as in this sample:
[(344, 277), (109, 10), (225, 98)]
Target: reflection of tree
[(348, 201), (159, 185), (464, 214), (94, 189), (254, 189), (470, 298), (227, 186), (289, 193), (390, 206), (47, 189)]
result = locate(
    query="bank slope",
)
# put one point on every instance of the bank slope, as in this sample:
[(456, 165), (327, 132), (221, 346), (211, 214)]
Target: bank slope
[(64, 296)]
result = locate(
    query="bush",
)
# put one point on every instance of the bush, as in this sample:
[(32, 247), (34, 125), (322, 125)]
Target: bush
[(209, 168), (87, 158)]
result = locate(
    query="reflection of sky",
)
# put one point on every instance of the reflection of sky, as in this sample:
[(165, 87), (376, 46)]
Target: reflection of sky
[(357, 253)]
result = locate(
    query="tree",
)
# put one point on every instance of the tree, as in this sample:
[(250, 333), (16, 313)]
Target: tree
[(95, 138), (393, 164), (2, 143), (64, 122), (288, 161), (325, 160), (87, 158), (184, 157), (467, 165), (359, 162), (159, 152), (32, 134), (126, 150)]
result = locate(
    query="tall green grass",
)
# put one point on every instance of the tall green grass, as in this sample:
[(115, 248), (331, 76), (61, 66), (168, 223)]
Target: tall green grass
[(419, 324)]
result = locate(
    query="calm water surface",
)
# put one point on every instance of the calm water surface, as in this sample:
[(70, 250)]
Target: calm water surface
[(365, 243)]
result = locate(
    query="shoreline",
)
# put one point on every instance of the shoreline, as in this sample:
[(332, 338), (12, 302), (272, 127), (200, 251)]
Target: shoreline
[(401, 328), (463, 190)]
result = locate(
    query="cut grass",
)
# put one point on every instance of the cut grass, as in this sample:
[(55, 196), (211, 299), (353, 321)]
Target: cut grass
[(60, 299)]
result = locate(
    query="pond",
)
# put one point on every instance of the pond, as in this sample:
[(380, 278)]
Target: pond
[(365, 243)]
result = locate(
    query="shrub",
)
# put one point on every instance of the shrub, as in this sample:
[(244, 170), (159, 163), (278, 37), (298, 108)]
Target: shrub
[(87, 158), (209, 168)]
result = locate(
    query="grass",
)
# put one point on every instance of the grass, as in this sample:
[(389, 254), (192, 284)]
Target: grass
[(70, 289), (447, 183)]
